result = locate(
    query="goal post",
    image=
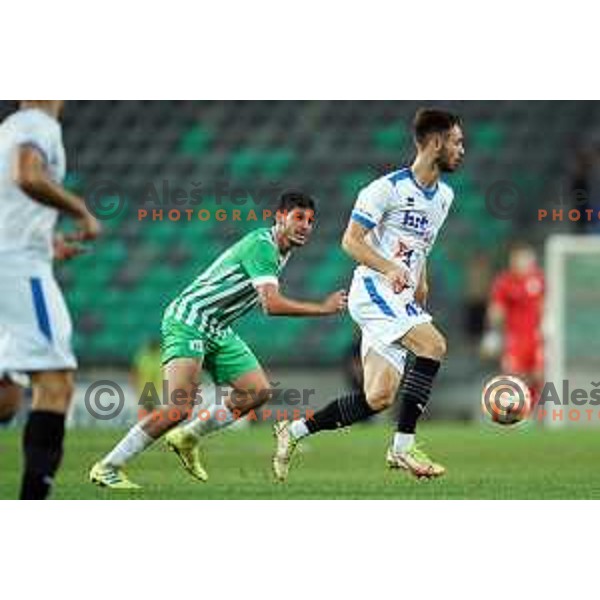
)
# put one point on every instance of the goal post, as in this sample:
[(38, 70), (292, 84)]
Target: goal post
[(572, 329)]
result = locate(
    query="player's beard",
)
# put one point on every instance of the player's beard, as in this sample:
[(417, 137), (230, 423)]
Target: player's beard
[(443, 163), (291, 238)]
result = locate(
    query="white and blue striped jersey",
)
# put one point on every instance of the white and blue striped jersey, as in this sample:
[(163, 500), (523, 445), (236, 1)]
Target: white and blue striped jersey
[(404, 219), (26, 225)]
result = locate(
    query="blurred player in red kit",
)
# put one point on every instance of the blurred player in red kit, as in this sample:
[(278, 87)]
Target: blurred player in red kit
[(515, 318)]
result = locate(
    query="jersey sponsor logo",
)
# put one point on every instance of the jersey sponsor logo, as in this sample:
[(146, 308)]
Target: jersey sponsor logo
[(416, 221)]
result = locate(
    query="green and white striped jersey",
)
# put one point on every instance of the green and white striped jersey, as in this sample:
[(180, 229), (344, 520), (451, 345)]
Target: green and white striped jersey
[(227, 288)]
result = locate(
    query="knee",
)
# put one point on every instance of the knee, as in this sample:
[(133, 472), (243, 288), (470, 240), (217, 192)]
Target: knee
[(264, 395), (380, 398), (182, 395), (53, 392), (249, 399), (436, 347), (63, 388), (440, 347), (259, 396)]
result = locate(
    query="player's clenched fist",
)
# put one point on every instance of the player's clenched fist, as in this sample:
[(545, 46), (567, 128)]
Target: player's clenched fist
[(399, 278), (88, 228), (64, 250), (335, 302)]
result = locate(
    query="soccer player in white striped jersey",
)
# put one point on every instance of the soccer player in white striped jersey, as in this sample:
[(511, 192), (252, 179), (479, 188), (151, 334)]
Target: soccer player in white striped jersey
[(35, 327), (197, 336), (392, 229)]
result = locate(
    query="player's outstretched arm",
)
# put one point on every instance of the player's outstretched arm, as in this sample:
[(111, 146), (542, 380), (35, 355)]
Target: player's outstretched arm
[(355, 245), (31, 175), (275, 303)]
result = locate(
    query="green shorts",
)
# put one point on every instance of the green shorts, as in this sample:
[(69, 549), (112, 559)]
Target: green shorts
[(225, 356)]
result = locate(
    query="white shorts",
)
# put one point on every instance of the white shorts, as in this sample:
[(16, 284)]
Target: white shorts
[(35, 326), (383, 316)]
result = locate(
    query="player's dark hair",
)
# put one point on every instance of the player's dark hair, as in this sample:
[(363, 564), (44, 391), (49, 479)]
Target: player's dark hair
[(292, 199), (431, 120), (517, 245)]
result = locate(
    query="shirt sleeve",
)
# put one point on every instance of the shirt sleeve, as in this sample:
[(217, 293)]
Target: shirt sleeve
[(372, 203), (261, 263), (41, 133)]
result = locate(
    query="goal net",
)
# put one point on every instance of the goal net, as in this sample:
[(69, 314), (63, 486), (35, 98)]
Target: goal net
[(572, 329)]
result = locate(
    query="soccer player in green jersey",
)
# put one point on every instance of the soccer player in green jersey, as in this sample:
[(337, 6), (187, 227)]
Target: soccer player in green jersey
[(197, 336)]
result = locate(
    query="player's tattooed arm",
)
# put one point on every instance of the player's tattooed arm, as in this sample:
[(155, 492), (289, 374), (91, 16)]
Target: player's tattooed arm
[(355, 245), (31, 175), (275, 303)]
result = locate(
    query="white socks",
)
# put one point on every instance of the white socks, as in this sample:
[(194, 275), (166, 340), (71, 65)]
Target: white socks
[(298, 429), (209, 419), (132, 444), (137, 440), (403, 441)]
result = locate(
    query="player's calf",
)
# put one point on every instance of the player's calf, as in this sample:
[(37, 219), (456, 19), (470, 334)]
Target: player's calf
[(44, 432), (182, 375), (429, 347), (183, 378), (250, 391), (381, 381), (341, 412), (380, 385)]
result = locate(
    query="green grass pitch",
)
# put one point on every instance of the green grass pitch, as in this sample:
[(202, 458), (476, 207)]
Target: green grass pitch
[(483, 462)]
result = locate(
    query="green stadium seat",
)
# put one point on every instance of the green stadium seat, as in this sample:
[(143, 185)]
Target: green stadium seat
[(393, 137), (351, 183), (264, 164), (195, 141), (486, 137)]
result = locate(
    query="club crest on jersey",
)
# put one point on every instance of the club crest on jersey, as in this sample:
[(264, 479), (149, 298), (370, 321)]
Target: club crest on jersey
[(197, 346)]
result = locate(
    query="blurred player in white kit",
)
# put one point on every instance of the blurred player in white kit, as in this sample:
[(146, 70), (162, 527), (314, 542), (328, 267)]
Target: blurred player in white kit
[(35, 326)]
